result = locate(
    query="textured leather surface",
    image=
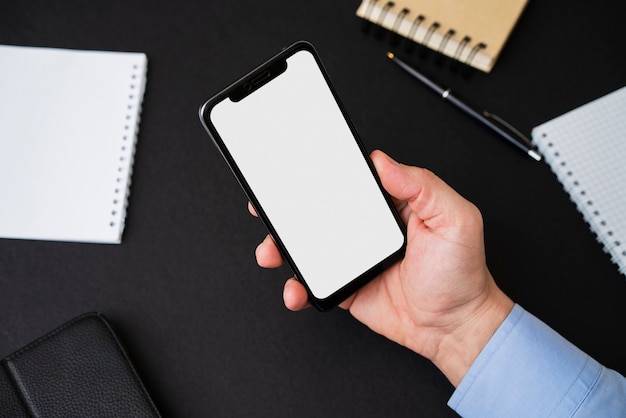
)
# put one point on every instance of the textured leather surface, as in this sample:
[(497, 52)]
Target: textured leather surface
[(10, 404), (79, 369)]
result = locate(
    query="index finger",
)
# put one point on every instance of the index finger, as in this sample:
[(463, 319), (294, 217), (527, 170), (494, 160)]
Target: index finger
[(252, 210)]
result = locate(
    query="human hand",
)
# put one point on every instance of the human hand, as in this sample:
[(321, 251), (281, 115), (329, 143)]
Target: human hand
[(440, 300)]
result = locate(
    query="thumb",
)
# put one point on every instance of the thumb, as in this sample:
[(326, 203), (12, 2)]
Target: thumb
[(429, 197)]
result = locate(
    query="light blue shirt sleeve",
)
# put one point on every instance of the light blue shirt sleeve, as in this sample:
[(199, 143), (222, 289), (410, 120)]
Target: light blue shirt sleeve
[(528, 370)]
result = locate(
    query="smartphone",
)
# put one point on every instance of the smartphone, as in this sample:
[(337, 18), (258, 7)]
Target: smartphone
[(289, 142)]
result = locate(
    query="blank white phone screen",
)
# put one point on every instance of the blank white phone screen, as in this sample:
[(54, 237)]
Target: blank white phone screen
[(294, 148)]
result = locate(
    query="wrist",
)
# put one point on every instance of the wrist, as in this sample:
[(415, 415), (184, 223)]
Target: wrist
[(463, 341)]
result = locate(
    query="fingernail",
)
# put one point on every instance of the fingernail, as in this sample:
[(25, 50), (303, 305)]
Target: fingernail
[(391, 160)]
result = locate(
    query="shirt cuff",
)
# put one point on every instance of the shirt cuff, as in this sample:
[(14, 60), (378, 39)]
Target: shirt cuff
[(526, 369)]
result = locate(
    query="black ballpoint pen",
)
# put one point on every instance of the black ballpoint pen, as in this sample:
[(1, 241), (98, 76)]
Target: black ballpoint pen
[(492, 121)]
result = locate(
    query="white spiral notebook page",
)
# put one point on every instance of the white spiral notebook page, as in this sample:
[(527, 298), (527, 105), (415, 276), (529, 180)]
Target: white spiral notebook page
[(68, 126), (586, 149)]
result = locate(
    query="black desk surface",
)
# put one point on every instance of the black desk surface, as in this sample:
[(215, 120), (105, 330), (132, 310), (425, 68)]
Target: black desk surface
[(205, 326)]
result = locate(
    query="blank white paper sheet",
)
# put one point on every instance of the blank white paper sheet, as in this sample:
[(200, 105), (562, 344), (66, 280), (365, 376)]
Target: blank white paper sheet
[(68, 130)]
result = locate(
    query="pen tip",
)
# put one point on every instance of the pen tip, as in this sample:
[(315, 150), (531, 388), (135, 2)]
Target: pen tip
[(534, 155), (390, 55)]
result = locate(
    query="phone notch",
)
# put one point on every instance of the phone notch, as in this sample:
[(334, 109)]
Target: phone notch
[(258, 79)]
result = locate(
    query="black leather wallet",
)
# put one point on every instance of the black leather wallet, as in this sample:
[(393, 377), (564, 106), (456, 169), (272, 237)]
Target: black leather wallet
[(78, 370)]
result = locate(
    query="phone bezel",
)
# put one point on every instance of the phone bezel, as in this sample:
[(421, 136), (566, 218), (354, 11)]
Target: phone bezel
[(237, 91)]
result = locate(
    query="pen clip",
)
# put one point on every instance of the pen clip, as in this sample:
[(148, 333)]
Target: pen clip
[(505, 125)]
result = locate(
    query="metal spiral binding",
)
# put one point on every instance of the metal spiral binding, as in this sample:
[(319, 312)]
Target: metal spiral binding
[(415, 25)]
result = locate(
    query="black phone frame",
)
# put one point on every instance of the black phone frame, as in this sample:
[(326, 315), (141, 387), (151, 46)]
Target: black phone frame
[(238, 90)]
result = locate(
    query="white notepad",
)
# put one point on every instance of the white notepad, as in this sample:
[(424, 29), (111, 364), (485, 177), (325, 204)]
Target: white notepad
[(586, 149), (68, 128)]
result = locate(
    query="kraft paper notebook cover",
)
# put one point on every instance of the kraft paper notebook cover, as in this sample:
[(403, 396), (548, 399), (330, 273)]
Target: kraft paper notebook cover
[(469, 31), (68, 127), (586, 149)]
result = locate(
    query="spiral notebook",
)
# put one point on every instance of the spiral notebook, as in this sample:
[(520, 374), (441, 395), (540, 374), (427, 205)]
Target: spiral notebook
[(472, 32), (586, 149), (68, 128)]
